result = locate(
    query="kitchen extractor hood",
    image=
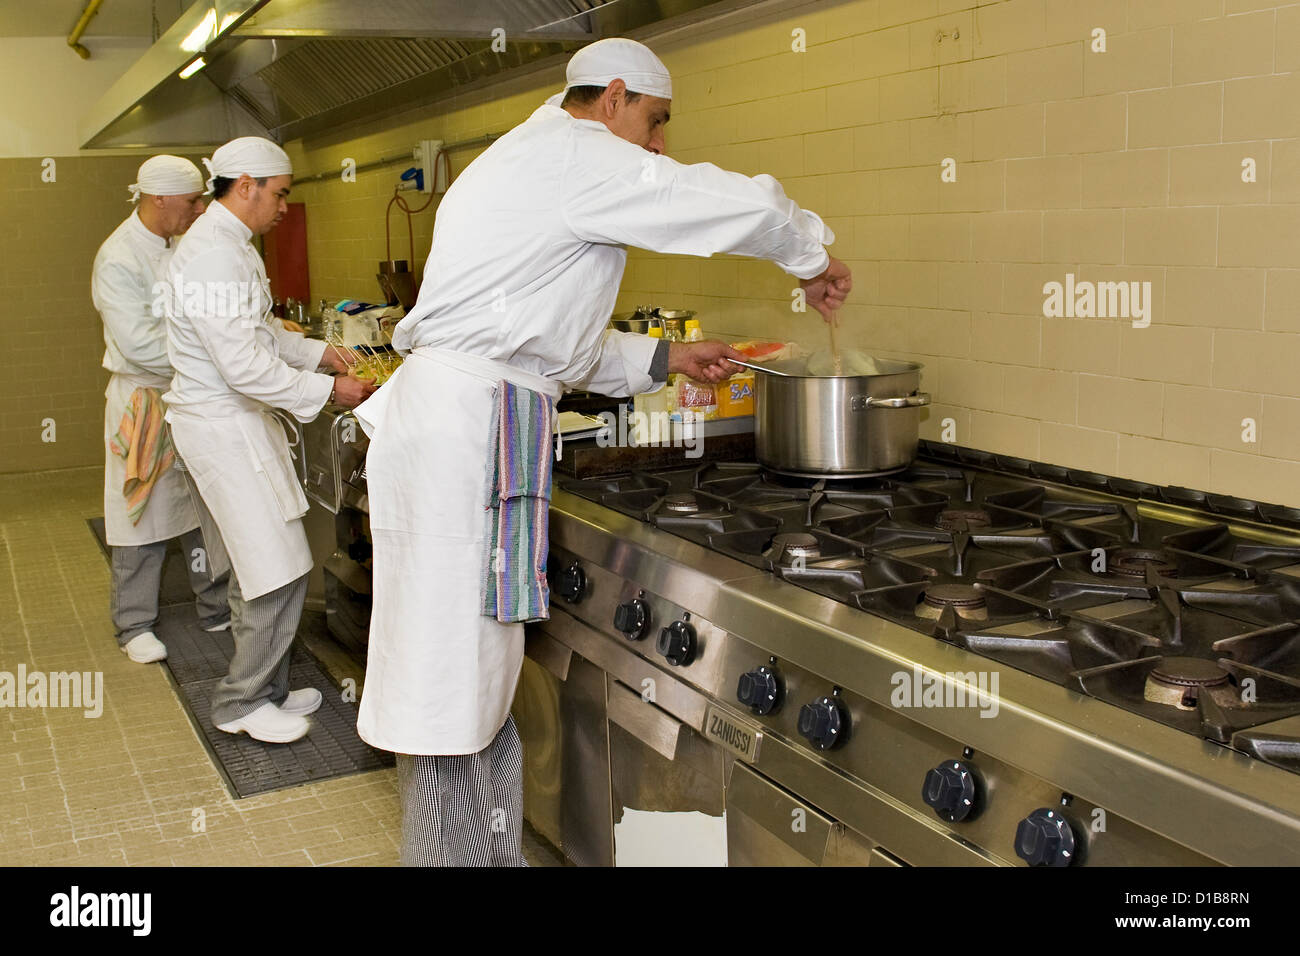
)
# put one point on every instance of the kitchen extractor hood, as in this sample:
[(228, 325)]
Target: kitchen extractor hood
[(290, 68)]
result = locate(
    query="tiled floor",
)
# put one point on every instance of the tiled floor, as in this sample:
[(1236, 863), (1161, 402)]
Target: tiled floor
[(135, 786)]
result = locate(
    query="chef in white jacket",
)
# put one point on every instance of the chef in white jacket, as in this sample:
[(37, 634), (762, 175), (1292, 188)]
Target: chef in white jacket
[(528, 251), (238, 371), (128, 267)]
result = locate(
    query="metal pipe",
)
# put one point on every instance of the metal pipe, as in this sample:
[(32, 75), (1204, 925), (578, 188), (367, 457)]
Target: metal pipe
[(87, 15), (484, 140)]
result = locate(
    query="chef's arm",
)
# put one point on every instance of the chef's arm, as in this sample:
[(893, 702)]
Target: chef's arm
[(616, 192), (703, 361), (619, 370), (297, 350), (245, 365), (140, 336), (624, 365)]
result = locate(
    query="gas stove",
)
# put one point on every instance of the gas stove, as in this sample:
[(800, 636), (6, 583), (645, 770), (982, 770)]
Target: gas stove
[(1188, 618), (978, 660)]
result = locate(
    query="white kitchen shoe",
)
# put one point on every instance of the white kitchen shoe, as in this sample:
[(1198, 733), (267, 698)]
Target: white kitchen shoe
[(302, 702), (145, 648), (269, 725)]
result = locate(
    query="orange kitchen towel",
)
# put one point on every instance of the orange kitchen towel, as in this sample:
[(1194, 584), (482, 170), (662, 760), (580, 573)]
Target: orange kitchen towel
[(143, 440)]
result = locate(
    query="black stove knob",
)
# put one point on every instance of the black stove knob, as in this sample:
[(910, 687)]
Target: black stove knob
[(1045, 838), (633, 619), (950, 789), (573, 583), (677, 643), (759, 690), (824, 723)]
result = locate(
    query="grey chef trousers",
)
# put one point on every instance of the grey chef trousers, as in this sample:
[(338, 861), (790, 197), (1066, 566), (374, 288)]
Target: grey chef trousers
[(137, 578), (263, 629), (464, 810)]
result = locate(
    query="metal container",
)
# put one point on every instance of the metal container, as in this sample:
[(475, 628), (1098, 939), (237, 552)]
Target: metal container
[(842, 426), (674, 320), (645, 316), (633, 322)]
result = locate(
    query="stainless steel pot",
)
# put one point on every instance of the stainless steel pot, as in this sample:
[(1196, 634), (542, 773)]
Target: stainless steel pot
[(843, 426)]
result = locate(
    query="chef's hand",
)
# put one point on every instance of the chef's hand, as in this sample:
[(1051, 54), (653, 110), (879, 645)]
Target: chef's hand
[(351, 392), (340, 360), (703, 361), (827, 292)]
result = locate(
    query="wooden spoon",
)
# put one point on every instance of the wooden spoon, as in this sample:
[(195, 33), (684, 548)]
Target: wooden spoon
[(837, 364)]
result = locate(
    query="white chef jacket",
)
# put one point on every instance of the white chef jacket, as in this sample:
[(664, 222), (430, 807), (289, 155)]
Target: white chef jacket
[(234, 366), (124, 288), (550, 207), (528, 252)]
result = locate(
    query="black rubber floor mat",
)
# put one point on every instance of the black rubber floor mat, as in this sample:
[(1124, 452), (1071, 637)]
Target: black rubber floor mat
[(197, 661), (175, 581)]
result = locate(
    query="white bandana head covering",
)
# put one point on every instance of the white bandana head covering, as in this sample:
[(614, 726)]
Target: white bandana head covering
[(166, 176), (254, 156), (617, 58)]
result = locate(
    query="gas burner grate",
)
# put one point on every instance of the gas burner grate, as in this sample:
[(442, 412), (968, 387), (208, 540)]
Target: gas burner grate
[(1156, 609)]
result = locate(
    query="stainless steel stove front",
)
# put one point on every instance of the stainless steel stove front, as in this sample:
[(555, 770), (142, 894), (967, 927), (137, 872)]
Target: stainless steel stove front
[(870, 714)]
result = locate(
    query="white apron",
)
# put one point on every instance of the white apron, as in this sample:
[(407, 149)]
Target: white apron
[(242, 467), (440, 676), (169, 511)]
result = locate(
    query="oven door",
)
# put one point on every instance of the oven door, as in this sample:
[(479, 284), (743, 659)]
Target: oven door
[(769, 826), (610, 778), (667, 784), (617, 770)]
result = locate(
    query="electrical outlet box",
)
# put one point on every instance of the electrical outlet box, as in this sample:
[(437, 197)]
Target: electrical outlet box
[(426, 157)]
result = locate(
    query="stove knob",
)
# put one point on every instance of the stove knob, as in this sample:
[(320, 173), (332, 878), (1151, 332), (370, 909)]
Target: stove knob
[(759, 690), (632, 618), (573, 583), (824, 722), (950, 789), (677, 643), (1045, 838)]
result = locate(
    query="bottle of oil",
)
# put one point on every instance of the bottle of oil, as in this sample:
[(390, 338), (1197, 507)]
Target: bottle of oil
[(672, 334)]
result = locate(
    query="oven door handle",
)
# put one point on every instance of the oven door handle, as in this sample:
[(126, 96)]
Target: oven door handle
[(548, 652), (658, 730)]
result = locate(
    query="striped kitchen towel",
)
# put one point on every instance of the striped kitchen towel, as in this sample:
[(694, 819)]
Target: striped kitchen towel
[(143, 440), (518, 496)]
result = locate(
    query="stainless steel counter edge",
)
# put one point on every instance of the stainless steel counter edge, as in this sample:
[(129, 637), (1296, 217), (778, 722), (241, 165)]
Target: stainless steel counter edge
[(1234, 808)]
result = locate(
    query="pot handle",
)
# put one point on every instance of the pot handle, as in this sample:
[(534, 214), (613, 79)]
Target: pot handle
[(862, 402)]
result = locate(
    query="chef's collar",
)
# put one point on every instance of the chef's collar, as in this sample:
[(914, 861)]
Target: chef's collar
[(229, 220), (144, 232)]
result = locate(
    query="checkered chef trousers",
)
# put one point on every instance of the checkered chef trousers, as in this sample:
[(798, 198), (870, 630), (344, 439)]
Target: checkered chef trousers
[(464, 810)]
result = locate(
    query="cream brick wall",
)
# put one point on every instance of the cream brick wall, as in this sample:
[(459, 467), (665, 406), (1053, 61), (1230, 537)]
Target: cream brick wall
[(54, 340), (1117, 166)]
